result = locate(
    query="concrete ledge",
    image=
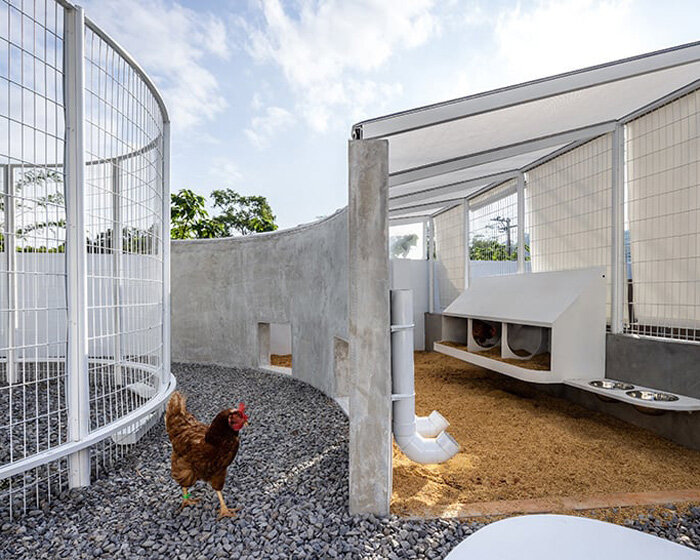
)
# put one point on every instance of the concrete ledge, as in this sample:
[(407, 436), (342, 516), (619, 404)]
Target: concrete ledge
[(558, 504), (664, 364), (276, 369), (261, 236)]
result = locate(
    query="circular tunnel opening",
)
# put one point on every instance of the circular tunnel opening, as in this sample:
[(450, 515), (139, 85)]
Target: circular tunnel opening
[(486, 334)]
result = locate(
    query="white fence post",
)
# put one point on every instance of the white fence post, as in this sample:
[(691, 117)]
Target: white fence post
[(11, 272), (117, 248), (618, 271), (465, 217), (78, 388), (166, 252), (431, 267), (521, 222)]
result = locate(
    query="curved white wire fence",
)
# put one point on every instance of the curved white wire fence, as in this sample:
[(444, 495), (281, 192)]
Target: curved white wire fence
[(84, 257)]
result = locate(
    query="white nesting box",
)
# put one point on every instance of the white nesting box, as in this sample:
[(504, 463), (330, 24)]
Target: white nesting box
[(562, 313)]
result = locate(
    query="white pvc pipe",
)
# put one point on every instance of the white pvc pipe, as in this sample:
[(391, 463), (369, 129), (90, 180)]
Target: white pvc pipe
[(431, 426), (421, 445)]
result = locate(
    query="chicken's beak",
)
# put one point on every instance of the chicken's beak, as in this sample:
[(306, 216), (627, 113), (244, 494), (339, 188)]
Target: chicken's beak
[(245, 424)]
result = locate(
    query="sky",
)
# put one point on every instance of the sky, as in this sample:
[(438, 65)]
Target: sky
[(262, 94)]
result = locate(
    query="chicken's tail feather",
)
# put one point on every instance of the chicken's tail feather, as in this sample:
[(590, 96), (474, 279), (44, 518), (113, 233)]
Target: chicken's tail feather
[(177, 404)]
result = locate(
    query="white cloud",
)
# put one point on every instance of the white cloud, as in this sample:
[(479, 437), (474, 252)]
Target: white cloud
[(224, 171), (328, 51), (256, 103), (263, 128), (172, 43), (560, 35)]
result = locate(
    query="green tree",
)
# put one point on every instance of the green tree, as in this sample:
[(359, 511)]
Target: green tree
[(38, 192), (483, 249), (189, 218), (133, 240), (243, 214), (401, 245)]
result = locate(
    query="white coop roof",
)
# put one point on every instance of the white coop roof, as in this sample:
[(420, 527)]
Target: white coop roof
[(533, 299), (442, 153)]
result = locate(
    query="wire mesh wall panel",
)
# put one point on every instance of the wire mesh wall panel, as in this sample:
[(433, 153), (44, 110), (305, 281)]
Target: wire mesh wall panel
[(568, 210), (124, 137), (120, 181), (662, 210), (33, 415), (493, 231), (449, 249)]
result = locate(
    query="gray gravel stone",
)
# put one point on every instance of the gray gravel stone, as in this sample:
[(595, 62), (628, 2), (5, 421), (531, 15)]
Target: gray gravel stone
[(290, 480)]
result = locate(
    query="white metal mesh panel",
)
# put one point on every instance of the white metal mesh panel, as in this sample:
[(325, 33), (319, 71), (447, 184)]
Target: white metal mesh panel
[(33, 337), (663, 220), (568, 210), (493, 232), (124, 222), (449, 247), (120, 201)]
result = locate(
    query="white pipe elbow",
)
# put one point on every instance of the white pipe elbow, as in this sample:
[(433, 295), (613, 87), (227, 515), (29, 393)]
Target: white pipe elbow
[(431, 426), (422, 439), (428, 451)]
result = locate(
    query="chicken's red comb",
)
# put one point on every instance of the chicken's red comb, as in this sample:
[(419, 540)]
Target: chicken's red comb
[(241, 407)]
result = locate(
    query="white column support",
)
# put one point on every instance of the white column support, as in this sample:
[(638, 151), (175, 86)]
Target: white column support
[(618, 271), (11, 268), (77, 388), (431, 266), (117, 248), (521, 222), (465, 217), (165, 238)]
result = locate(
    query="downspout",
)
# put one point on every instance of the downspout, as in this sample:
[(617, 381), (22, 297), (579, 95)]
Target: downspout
[(422, 439)]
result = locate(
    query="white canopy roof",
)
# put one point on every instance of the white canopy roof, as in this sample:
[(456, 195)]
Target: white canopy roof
[(442, 153)]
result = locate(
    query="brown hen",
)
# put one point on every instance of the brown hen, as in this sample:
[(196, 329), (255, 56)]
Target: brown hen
[(202, 452)]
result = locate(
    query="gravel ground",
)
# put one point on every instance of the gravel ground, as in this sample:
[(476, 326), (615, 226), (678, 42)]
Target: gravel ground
[(289, 479), (40, 398)]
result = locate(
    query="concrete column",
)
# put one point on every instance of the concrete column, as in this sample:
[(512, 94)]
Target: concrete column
[(369, 328)]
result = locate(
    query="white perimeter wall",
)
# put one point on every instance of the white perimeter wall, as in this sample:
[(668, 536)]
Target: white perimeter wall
[(41, 301), (409, 274)]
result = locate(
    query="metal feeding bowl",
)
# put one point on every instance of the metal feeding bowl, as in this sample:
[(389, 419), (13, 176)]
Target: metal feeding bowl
[(652, 396), (610, 384)]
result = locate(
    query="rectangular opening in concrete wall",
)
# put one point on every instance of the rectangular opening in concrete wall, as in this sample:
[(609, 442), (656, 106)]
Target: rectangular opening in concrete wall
[(407, 241), (340, 371), (275, 346)]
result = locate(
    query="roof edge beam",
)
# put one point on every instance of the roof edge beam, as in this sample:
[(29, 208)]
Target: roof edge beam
[(401, 220), (439, 206), (529, 91), (489, 156), (396, 202), (661, 101)]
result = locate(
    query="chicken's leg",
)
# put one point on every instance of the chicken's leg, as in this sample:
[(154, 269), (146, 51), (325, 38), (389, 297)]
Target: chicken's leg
[(186, 499), (224, 511)]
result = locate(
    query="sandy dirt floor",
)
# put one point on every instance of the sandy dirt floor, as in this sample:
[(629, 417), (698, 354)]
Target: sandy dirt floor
[(281, 360), (518, 443)]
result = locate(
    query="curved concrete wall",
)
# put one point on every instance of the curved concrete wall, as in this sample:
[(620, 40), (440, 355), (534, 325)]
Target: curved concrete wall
[(222, 289)]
